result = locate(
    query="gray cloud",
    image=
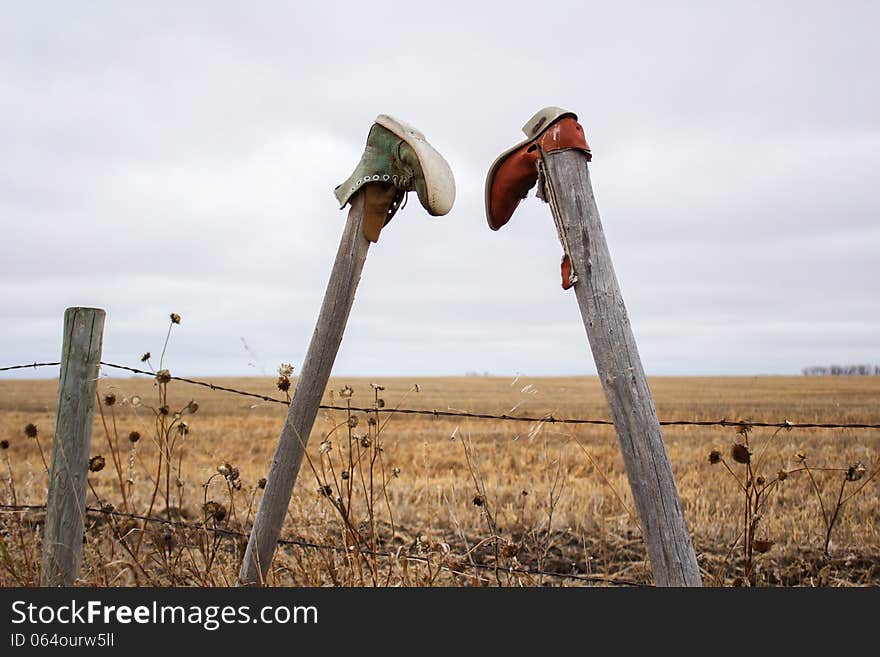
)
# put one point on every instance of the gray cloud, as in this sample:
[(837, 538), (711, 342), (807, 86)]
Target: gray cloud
[(159, 159)]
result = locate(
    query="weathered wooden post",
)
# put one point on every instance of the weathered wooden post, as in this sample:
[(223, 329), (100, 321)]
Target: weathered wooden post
[(66, 497), (397, 160), (556, 153)]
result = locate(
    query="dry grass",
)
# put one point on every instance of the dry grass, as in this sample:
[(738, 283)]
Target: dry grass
[(465, 501)]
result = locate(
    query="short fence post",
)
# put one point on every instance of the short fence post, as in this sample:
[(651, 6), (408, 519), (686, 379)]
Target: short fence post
[(66, 496)]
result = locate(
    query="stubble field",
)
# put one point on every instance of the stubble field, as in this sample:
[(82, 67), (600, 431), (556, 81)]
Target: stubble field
[(394, 499)]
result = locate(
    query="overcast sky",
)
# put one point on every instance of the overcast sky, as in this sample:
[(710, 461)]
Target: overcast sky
[(181, 157)]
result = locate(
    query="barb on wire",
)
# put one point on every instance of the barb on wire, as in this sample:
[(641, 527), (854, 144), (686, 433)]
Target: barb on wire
[(548, 419), (12, 508)]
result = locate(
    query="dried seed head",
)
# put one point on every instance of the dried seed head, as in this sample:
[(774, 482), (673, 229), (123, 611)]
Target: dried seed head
[(352, 421), (175, 318), (134, 436), (380, 403), (760, 481), (283, 383), (801, 457), (376, 386), (30, 430), (344, 475), (96, 463), (193, 407), (714, 457), (135, 401), (325, 490), (763, 546), (417, 387), (261, 484), (740, 453), (183, 428), (325, 446), (109, 399), (346, 392), (4, 444), (164, 410), (234, 474), (214, 510), (856, 471), (236, 484), (395, 472), (479, 500), (163, 376), (224, 469), (782, 475), (145, 357), (371, 421), (285, 370), (366, 441)]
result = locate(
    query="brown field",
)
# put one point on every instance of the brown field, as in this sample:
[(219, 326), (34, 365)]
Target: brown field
[(458, 501)]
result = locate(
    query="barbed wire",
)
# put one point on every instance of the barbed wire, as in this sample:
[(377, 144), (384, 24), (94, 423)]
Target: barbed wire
[(544, 419), (27, 366), (299, 542)]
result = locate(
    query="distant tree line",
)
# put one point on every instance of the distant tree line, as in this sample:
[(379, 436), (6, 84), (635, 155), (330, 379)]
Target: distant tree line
[(842, 370)]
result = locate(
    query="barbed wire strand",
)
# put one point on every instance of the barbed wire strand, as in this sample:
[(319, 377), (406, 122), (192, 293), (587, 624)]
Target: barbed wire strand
[(548, 419), (298, 542)]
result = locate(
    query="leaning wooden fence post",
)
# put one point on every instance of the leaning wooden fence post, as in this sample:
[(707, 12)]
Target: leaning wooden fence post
[(556, 152), (397, 160), (66, 497)]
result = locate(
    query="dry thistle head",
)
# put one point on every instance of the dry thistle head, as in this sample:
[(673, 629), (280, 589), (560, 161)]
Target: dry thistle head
[(371, 421), (326, 490), (479, 500), (163, 376), (380, 403), (4, 444), (164, 410), (856, 471), (325, 447), (762, 546), (183, 428), (377, 387), (714, 457), (782, 475), (366, 442), (346, 392), (224, 469), (261, 484), (760, 481), (352, 421), (344, 475), (109, 399), (175, 318), (146, 357), (740, 453), (801, 457), (417, 387), (395, 472), (96, 463), (134, 436), (30, 430), (193, 407), (135, 401)]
